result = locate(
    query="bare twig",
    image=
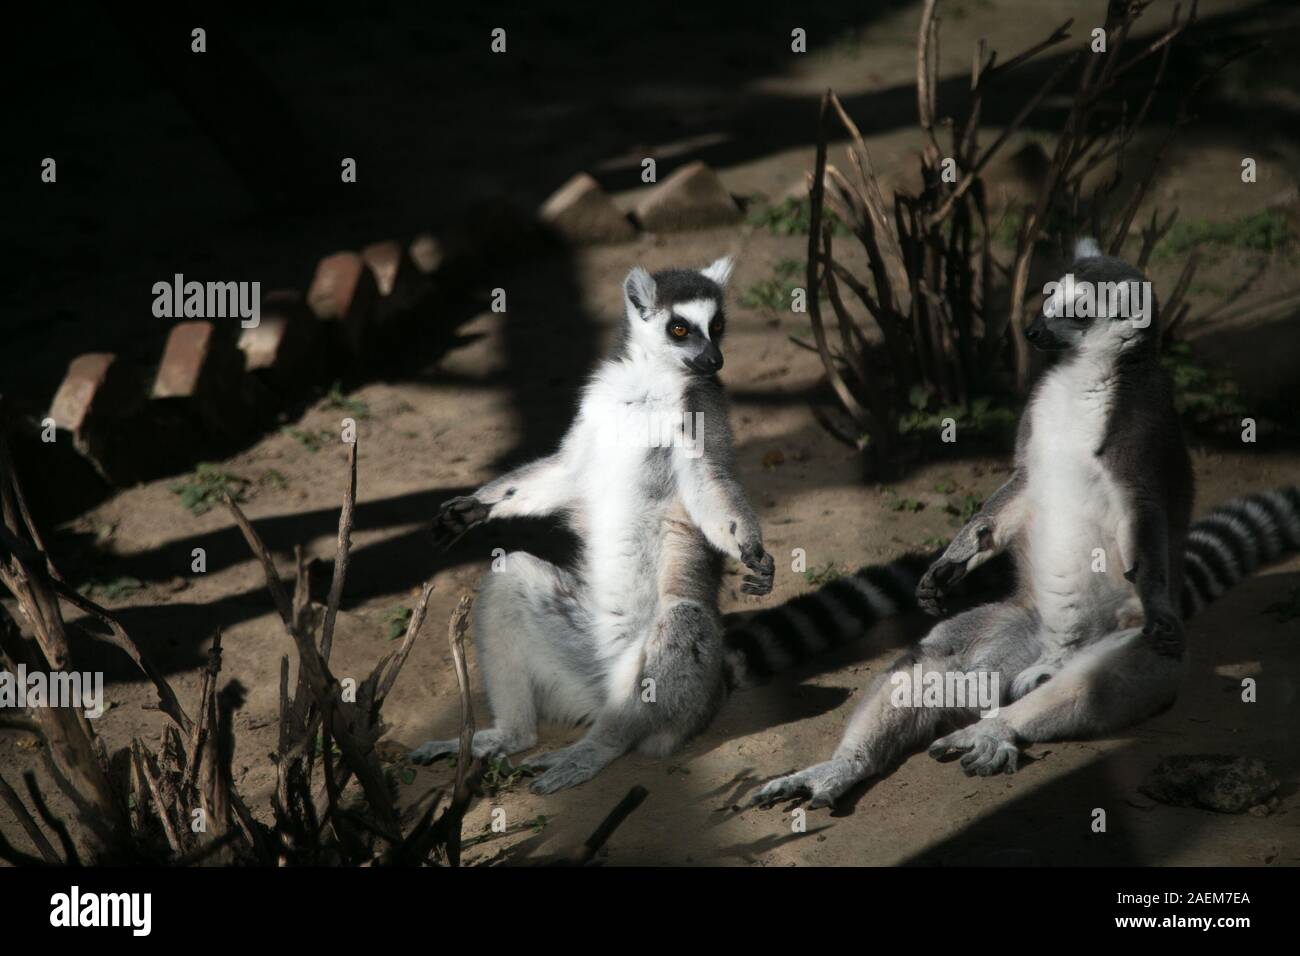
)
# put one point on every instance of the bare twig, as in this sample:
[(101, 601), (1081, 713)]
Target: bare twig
[(584, 854), (342, 555), (29, 825), (456, 638)]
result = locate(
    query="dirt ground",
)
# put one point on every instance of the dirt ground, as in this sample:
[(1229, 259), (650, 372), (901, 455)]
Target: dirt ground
[(502, 386)]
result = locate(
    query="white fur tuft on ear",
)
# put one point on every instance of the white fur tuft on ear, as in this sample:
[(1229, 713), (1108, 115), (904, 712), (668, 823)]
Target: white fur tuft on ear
[(720, 270), (1087, 248), (639, 292)]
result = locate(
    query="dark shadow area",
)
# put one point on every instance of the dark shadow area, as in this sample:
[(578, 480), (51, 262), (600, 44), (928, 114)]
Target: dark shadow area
[(227, 167)]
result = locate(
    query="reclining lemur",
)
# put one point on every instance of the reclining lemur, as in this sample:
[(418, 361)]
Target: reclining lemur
[(1096, 516)]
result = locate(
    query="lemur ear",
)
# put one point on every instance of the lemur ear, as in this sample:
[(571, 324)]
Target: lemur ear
[(720, 270), (639, 292)]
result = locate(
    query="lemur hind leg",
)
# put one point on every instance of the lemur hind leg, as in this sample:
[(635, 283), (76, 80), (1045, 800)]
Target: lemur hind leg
[(1105, 686), (536, 655), (994, 638), (664, 702)]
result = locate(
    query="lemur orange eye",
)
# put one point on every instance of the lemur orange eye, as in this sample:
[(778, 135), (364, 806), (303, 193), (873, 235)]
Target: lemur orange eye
[(678, 330)]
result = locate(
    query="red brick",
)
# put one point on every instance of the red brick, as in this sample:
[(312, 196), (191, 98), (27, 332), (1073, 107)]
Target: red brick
[(286, 350), (98, 395), (344, 291), (426, 252), (204, 371)]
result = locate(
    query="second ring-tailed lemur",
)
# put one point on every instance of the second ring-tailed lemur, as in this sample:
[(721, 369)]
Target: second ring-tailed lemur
[(631, 639), (1096, 515)]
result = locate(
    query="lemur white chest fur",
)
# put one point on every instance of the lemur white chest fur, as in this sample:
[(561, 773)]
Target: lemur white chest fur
[(1075, 505), (629, 430)]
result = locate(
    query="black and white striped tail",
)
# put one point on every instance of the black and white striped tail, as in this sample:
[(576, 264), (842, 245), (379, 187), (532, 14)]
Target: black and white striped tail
[(765, 642), (1236, 538), (1224, 547)]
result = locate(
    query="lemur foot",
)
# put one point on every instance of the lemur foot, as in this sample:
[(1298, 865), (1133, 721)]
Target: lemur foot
[(823, 783), (1165, 631), (486, 743), (566, 767), (455, 517), (987, 746), (763, 568)]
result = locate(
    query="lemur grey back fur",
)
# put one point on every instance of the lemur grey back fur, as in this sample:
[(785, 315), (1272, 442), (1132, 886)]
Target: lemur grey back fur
[(629, 640), (1096, 515)]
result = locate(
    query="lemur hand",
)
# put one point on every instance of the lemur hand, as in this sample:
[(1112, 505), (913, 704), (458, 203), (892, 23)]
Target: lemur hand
[(763, 566), (455, 517), (1165, 629), (951, 567)]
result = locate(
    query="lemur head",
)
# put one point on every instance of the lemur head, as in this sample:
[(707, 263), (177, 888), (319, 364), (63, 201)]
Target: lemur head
[(1102, 305), (677, 315)]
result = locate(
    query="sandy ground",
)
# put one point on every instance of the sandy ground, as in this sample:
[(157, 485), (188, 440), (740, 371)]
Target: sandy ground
[(501, 386)]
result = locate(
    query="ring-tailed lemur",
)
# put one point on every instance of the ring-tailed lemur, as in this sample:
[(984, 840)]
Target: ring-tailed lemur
[(1096, 514), (631, 639)]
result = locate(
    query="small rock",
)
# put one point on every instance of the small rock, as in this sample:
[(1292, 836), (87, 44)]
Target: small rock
[(691, 198), (1240, 670), (580, 212), (1217, 782)]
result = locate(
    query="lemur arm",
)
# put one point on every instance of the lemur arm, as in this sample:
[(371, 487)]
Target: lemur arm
[(536, 489), (1144, 545), (719, 507)]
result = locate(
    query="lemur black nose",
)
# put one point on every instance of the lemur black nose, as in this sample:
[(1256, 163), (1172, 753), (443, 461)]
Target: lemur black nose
[(707, 361)]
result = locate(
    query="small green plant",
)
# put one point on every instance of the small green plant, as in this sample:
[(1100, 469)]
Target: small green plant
[(502, 775), (313, 441), (945, 487), (396, 620), (114, 589), (318, 747), (963, 509), (774, 294), (986, 418), (790, 217), (208, 487), (273, 479), (1263, 231), (896, 503), (355, 407), (1206, 398), (824, 575)]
